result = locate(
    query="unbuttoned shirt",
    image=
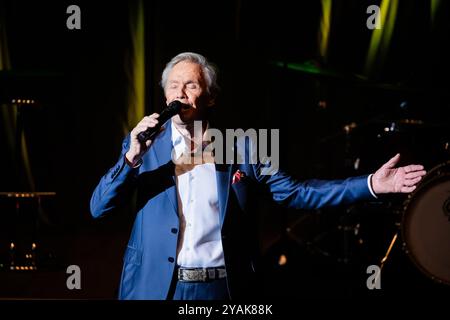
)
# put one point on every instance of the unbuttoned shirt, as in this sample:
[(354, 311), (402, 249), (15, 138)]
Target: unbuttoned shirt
[(199, 241)]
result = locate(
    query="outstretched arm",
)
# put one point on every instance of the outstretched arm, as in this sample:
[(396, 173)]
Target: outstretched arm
[(389, 179), (313, 194)]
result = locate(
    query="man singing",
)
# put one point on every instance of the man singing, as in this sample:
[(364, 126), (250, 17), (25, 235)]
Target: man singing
[(194, 237)]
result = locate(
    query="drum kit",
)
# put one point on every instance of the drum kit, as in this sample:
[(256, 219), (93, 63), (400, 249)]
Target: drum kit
[(425, 225), (417, 224)]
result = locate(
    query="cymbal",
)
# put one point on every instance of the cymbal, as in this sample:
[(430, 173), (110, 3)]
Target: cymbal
[(396, 124), (395, 87), (378, 126), (313, 68)]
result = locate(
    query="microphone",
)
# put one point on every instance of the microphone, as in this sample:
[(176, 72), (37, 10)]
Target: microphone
[(172, 109)]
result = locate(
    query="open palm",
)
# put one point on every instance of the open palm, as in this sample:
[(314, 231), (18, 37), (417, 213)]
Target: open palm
[(389, 179)]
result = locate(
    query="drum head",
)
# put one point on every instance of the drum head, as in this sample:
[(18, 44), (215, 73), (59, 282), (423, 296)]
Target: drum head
[(426, 228)]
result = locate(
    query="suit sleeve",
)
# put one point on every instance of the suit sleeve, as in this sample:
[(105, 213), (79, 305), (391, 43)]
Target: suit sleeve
[(115, 186), (313, 194)]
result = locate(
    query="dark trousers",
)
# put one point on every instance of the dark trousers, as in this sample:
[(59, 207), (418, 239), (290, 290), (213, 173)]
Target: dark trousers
[(211, 290)]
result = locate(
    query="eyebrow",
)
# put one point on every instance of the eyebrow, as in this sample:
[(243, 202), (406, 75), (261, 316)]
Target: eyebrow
[(187, 82)]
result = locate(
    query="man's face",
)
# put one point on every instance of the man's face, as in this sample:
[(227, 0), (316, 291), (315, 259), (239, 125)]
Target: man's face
[(186, 83)]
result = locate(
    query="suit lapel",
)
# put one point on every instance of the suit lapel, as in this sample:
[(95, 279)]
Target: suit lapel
[(162, 150), (223, 175)]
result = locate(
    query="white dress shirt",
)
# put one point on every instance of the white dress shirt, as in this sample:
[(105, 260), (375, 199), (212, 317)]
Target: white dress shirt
[(369, 185), (199, 241)]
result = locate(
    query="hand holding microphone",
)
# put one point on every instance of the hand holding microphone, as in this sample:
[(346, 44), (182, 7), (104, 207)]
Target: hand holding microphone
[(142, 136), (172, 109)]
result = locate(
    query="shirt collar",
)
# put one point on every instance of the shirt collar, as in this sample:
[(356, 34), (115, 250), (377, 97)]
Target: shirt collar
[(180, 145)]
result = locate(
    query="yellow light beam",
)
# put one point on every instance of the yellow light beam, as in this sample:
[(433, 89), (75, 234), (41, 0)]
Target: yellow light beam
[(26, 162), (381, 38), (136, 94), (324, 28), (434, 5)]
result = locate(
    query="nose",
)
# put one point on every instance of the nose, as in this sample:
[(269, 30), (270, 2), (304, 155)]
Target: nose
[(181, 94)]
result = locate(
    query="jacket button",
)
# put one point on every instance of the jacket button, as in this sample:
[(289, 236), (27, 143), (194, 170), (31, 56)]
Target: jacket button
[(174, 230), (171, 260)]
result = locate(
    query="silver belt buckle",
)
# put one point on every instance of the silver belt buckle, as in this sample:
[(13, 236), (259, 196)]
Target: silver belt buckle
[(201, 274), (191, 275)]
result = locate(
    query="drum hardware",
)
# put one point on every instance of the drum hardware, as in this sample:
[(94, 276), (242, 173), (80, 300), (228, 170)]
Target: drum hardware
[(327, 234), (424, 228), (391, 245), (425, 225), (310, 243), (446, 208), (386, 256)]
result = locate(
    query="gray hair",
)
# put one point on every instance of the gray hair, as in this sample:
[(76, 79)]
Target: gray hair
[(208, 68)]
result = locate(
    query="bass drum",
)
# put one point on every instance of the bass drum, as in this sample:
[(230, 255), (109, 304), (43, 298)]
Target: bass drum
[(425, 225)]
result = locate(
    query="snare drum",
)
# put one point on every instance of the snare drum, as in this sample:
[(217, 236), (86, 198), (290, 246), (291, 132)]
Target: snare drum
[(425, 225)]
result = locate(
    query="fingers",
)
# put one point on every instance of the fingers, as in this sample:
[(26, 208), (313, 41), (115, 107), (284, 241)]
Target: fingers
[(152, 116), (411, 182), (137, 148), (392, 162), (149, 121), (146, 122), (415, 174), (413, 167), (407, 189), (412, 178)]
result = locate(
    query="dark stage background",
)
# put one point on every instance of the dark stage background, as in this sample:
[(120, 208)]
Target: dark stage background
[(273, 74)]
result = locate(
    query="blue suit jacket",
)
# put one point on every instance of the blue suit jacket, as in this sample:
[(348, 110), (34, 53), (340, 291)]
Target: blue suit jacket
[(150, 257)]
